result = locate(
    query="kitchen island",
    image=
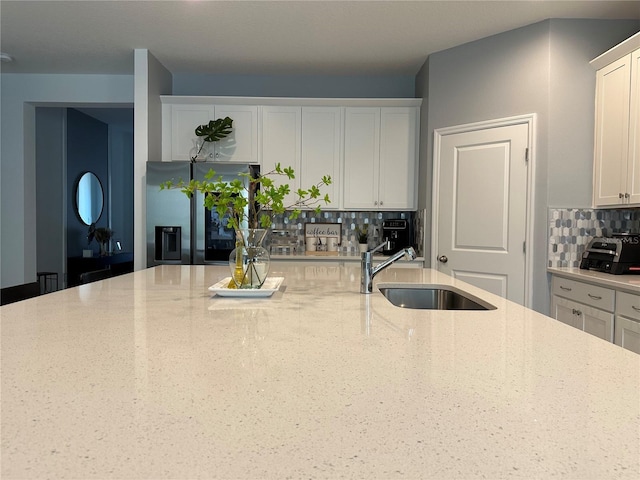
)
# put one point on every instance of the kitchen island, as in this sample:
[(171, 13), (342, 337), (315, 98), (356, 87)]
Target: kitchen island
[(148, 375)]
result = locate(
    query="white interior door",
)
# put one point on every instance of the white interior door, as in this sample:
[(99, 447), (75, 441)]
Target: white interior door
[(480, 207)]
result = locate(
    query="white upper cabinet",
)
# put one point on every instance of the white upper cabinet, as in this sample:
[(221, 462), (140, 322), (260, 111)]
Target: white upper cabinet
[(181, 143), (322, 151), (380, 158), (398, 158), (242, 144), (308, 139), (281, 143), (368, 147), (616, 175)]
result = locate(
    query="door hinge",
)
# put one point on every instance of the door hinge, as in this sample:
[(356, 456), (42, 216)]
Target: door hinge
[(526, 154), (524, 247)]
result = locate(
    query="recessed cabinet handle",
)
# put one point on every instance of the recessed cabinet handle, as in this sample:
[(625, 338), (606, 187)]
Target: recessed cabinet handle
[(595, 297), (637, 309), (565, 288)]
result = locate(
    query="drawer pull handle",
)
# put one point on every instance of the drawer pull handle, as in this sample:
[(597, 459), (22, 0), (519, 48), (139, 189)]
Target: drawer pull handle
[(637, 309), (595, 297), (565, 288)]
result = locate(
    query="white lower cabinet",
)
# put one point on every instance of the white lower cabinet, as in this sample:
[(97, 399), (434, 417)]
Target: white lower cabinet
[(581, 305), (627, 330)]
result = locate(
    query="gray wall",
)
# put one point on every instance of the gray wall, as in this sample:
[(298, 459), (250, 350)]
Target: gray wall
[(527, 70), (121, 191), (20, 94), (295, 86), (50, 191), (574, 43)]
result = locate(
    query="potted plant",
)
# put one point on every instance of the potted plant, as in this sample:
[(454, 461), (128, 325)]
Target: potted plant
[(102, 236), (213, 131), (252, 219), (362, 233)]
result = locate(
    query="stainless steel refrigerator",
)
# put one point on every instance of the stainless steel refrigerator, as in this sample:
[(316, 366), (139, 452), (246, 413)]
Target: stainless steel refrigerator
[(180, 230)]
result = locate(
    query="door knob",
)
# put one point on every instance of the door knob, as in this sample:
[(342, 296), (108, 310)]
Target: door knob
[(443, 259)]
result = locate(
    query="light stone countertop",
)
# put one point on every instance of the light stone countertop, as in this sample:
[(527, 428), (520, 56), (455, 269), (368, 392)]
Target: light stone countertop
[(147, 375), (338, 257)]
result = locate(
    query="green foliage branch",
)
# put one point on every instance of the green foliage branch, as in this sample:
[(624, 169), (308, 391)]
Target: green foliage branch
[(232, 198)]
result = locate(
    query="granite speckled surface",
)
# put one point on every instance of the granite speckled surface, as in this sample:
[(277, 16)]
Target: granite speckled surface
[(148, 375)]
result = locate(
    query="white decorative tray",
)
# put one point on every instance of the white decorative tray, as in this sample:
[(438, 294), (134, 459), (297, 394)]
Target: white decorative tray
[(269, 287)]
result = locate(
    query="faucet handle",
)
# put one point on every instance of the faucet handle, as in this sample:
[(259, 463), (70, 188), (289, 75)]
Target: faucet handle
[(410, 253)]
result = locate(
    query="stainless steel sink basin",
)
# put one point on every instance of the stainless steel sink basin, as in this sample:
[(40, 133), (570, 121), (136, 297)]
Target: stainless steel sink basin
[(433, 297)]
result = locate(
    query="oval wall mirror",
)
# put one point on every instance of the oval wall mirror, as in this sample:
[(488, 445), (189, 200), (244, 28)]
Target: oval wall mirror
[(89, 198)]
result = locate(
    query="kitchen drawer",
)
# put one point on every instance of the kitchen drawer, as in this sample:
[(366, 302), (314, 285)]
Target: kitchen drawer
[(628, 304), (599, 297)]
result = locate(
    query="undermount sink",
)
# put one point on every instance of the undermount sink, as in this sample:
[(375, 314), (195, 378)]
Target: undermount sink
[(433, 297)]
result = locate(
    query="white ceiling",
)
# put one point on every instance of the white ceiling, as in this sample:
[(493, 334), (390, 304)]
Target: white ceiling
[(264, 37)]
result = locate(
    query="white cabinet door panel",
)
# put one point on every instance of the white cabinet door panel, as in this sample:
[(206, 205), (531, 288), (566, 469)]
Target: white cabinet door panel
[(398, 134), (565, 311), (361, 157), (612, 132), (184, 121), (633, 169), (281, 143), (322, 151), (598, 323), (241, 145), (627, 334)]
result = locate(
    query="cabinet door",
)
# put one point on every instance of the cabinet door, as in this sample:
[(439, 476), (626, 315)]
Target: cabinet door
[(566, 311), (612, 133), (241, 145), (361, 157), (633, 161), (627, 333), (598, 323), (398, 147), (184, 121), (281, 143), (321, 151)]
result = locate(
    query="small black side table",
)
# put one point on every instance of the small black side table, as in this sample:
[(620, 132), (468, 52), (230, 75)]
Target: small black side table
[(48, 282)]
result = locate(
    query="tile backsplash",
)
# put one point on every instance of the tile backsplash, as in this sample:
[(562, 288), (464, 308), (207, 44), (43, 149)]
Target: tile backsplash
[(571, 229), (294, 229)]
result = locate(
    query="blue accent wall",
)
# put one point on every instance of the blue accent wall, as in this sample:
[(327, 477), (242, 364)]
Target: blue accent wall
[(87, 150)]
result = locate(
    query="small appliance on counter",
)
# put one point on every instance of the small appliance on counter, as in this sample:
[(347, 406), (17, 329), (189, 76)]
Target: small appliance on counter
[(618, 255), (398, 232)]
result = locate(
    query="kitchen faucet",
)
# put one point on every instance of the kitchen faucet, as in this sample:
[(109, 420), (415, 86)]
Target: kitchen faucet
[(368, 271)]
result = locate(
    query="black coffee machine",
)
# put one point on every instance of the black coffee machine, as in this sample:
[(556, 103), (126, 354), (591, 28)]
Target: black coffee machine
[(398, 232)]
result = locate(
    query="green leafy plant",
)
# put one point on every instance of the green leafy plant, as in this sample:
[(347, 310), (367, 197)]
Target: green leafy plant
[(101, 234), (362, 232), (232, 198), (213, 131)]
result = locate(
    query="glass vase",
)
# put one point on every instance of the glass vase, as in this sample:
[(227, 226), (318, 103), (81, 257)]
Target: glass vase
[(250, 260)]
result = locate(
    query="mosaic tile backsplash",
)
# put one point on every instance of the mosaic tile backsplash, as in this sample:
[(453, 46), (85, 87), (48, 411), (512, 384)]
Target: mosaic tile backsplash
[(571, 229), (293, 231)]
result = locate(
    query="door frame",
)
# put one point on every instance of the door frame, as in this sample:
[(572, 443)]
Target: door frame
[(530, 121)]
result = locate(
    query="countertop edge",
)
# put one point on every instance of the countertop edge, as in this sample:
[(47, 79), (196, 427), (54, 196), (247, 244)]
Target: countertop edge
[(628, 283)]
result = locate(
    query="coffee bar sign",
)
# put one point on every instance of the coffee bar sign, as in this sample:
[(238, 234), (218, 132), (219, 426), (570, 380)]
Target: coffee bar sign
[(322, 238)]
